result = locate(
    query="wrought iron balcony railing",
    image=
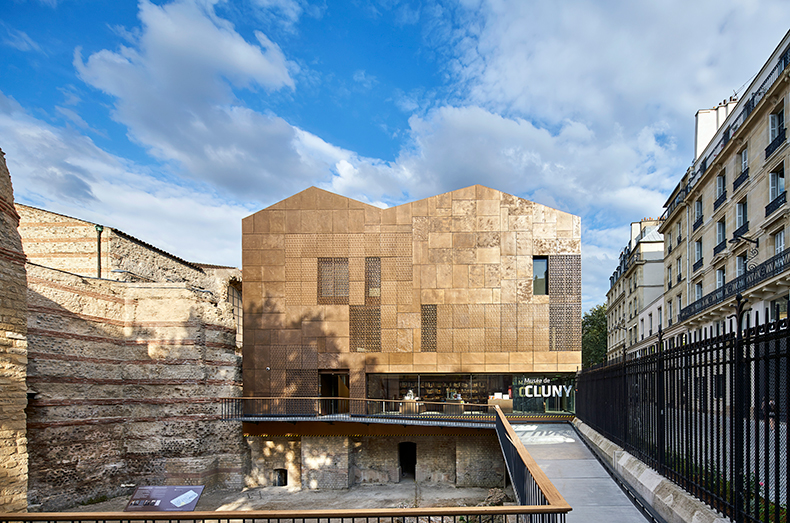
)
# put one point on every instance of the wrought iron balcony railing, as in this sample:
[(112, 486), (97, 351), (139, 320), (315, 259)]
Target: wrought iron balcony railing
[(720, 247), (697, 223), (720, 200), (740, 179), (775, 204), (768, 269), (740, 231), (697, 265), (775, 143)]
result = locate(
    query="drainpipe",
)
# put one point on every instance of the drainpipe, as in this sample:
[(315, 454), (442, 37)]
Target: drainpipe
[(99, 230)]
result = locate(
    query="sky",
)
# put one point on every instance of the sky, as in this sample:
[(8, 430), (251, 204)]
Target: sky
[(173, 120)]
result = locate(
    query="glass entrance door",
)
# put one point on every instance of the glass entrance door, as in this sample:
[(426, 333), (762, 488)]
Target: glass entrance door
[(334, 385)]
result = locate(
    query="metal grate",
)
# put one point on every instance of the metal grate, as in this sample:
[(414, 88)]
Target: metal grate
[(372, 281)]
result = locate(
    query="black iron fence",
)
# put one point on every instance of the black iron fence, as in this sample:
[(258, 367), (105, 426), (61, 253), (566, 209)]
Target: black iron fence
[(711, 414)]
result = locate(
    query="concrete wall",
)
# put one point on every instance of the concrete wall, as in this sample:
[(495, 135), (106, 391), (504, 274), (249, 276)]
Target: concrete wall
[(127, 376), (13, 354)]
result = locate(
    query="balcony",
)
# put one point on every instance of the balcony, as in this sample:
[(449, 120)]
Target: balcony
[(775, 204), (774, 145), (720, 247), (740, 231), (697, 223), (679, 240), (697, 265), (740, 179), (766, 270), (669, 249), (680, 278), (720, 200), (669, 284)]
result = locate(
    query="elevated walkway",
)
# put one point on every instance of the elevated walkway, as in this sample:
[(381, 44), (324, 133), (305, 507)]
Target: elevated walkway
[(577, 474)]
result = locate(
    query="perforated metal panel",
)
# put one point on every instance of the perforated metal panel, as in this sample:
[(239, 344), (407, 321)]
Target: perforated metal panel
[(565, 302), (333, 281), (372, 280), (365, 328), (428, 328)]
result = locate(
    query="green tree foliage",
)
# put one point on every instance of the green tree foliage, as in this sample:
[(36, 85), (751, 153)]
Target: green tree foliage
[(594, 336)]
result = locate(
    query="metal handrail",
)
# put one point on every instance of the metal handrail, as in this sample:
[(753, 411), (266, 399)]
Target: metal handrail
[(530, 483), (553, 513)]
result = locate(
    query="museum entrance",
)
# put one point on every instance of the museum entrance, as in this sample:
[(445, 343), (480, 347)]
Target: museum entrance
[(334, 385)]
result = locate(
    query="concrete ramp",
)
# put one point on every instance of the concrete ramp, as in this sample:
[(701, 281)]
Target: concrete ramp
[(577, 474)]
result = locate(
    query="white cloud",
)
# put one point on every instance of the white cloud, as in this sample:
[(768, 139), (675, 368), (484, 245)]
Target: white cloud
[(62, 171), (19, 39)]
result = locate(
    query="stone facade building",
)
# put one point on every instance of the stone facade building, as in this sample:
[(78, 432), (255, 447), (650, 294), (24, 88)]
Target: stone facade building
[(13, 353), (471, 293), (731, 212), (635, 284)]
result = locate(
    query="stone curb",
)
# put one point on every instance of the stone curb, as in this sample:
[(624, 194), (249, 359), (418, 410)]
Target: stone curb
[(670, 501)]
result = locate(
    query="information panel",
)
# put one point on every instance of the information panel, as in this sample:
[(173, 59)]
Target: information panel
[(168, 498)]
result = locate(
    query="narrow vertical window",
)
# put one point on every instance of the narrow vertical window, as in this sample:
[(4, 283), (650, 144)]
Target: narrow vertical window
[(540, 276), (777, 180)]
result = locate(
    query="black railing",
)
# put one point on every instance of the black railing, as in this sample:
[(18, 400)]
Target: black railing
[(680, 278), (775, 204), (720, 247), (740, 179), (720, 200), (697, 265), (768, 269), (680, 240), (710, 414), (519, 513), (740, 231), (775, 143), (697, 224), (669, 248)]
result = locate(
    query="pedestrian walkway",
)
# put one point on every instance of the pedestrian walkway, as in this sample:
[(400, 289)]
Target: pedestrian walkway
[(577, 474)]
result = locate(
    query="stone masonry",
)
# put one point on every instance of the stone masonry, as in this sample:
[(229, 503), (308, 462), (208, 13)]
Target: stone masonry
[(336, 462), (13, 354), (125, 370)]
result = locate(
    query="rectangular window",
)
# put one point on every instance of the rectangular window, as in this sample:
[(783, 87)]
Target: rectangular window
[(372, 281), (680, 268), (364, 328), (741, 216), (333, 281), (776, 124), (698, 291), (777, 179), (428, 328), (669, 312), (721, 278), (669, 241), (740, 265), (721, 232), (698, 210), (669, 275), (679, 231), (779, 242), (660, 317), (680, 305), (744, 157), (540, 276), (642, 328), (721, 186), (697, 250), (650, 323)]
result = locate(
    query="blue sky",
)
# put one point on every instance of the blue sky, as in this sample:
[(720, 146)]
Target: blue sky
[(172, 120)]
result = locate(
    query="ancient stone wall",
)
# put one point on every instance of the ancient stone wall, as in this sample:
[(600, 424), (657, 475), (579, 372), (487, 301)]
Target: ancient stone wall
[(269, 455), (479, 462), (325, 462), (127, 376), (13, 354)]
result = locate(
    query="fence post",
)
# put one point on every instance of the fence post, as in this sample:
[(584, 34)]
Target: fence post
[(739, 415), (661, 402)]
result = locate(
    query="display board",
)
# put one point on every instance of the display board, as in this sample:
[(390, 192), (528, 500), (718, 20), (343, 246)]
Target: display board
[(169, 498)]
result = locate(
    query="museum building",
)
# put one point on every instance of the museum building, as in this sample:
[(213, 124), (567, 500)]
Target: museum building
[(463, 296)]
